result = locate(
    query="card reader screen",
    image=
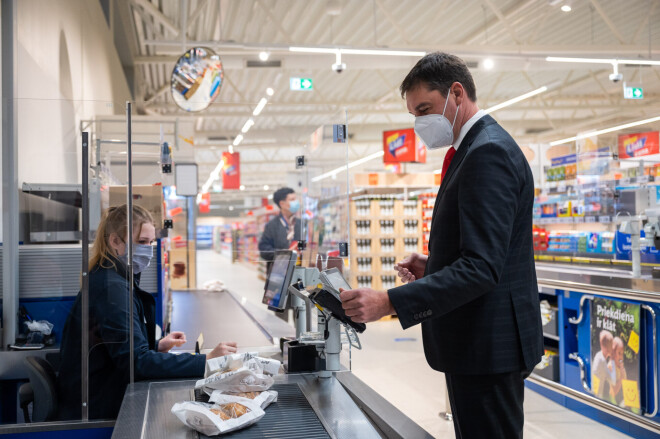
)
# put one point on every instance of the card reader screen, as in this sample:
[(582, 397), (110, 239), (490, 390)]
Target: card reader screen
[(277, 286)]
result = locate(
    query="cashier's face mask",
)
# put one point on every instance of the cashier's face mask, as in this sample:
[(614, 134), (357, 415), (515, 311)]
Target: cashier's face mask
[(294, 206), (142, 254), (435, 130)]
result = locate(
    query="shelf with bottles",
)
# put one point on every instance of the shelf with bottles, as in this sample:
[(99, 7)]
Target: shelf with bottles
[(384, 207)]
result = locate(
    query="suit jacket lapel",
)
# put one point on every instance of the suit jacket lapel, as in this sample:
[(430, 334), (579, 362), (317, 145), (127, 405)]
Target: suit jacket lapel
[(463, 150)]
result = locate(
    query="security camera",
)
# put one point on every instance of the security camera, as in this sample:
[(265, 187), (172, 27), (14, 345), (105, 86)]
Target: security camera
[(339, 67), (616, 77)]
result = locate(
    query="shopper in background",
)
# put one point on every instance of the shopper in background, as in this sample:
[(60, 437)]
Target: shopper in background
[(284, 230), (475, 294), (109, 351)]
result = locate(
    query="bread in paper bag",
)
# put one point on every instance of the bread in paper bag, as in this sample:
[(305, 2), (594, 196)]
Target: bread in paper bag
[(226, 415)]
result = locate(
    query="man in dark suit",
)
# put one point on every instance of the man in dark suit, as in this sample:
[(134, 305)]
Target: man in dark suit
[(475, 294), (281, 231)]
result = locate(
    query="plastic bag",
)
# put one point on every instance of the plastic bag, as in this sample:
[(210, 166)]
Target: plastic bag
[(226, 415), (263, 399), (214, 285), (43, 326), (251, 360), (239, 373)]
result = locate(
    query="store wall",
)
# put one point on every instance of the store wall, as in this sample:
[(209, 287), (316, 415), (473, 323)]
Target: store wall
[(67, 70)]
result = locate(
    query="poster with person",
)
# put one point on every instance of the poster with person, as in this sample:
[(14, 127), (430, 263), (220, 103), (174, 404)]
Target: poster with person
[(615, 345)]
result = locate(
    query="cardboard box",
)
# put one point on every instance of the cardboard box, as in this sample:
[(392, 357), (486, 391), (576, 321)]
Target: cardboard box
[(148, 197), (183, 267)]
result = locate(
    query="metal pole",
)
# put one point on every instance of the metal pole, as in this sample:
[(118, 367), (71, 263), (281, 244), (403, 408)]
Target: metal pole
[(9, 176), (84, 292), (129, 240)]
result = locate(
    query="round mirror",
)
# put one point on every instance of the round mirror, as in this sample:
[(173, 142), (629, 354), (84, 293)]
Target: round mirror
[(196, 79)]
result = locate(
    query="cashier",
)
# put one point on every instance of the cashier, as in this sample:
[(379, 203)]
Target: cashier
[(283, 230), (109, 350)]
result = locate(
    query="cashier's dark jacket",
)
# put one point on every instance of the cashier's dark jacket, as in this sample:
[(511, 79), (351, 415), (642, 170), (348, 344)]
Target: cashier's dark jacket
[(109, 347), (478, 300)]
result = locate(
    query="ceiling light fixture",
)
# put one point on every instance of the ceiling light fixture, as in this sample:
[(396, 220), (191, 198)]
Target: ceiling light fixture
[(270, 91), (605, 131), (637, 62), (238, 139), (266, 187), (231, 149), (260, 106), (263, 56), (489, 64), (242, 187), (377, 52), (353, 164), (247, 126), (566, 8), (516, 100)]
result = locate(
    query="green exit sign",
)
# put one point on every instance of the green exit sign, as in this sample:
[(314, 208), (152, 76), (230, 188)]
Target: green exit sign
[(300, 84), (632, 92)]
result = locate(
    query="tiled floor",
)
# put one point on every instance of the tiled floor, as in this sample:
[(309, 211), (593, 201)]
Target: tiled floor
[(392, 363)]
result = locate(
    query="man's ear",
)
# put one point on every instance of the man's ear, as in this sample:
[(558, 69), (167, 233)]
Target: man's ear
[(459, 92)]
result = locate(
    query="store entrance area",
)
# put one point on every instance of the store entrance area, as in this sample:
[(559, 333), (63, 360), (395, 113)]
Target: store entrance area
[(394, 364)]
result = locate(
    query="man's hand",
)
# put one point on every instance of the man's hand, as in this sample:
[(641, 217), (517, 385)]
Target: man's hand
[(366, 305), (222, 349), (411, 268), (175, 338)]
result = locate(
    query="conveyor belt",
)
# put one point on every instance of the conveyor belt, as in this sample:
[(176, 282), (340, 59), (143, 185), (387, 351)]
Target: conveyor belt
[(291, 417)]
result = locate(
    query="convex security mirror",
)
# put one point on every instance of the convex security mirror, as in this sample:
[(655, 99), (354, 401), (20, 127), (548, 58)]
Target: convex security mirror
[(196, 79)]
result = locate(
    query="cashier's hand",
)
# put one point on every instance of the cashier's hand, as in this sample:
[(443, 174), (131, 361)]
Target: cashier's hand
[(411, 268), (365, 305), (222, 349), (175, 338)]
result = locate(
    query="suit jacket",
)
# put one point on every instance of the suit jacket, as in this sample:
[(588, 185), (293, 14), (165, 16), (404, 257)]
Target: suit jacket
[(274, 237), (109, 350), (478, 300)]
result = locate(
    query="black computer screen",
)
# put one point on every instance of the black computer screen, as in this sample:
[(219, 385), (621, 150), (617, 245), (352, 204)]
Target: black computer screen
[(277, 286)]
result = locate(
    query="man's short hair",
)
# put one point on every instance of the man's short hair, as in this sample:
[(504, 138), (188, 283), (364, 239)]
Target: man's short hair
[(438, 71), (281, 194)]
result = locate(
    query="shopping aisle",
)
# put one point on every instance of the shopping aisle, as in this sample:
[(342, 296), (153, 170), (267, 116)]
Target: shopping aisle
[(393, 364)]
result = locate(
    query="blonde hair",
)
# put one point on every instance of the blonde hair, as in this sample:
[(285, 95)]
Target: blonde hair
[(115, 221)]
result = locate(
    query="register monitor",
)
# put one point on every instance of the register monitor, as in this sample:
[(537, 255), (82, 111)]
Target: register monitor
[(279, 279)]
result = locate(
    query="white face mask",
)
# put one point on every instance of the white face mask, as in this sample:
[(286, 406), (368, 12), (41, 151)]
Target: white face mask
[(435, 129)]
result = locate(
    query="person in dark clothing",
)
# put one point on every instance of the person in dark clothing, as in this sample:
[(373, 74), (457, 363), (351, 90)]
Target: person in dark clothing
[(475, 294), (282, 230), (109, 351)]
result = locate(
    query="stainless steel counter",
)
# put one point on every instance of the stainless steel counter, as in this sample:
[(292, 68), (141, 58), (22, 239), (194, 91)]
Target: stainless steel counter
[(145, 412), (600, 281)]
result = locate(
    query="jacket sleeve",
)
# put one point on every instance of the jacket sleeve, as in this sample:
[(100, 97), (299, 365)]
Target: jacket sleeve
[(267, 244), (114, 331), (488, 198)]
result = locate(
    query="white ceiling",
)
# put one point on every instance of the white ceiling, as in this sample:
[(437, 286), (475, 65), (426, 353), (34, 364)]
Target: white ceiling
[(517, 34)]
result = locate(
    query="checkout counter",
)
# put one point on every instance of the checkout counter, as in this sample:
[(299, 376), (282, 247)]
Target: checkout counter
[(329, 402)]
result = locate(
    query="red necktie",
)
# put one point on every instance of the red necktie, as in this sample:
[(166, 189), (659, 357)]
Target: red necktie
[(445, 165)]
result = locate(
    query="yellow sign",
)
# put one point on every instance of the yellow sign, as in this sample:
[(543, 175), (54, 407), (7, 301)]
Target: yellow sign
[(633, 341), (630, 393), (595, 384)]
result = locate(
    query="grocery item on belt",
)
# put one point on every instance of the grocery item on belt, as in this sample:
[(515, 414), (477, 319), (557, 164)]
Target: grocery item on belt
[(236, 361), (263, 399), (227, 415), (239, 373)]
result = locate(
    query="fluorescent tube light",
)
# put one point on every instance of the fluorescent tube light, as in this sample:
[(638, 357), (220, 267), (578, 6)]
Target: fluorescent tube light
[(247, 126), (381, 52), (641, 62), (605, 130), (516, 100), (353, 164), (260, 106), (238, 139)]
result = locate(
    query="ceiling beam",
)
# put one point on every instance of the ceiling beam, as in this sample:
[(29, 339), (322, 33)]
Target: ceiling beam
[(503, 19), (607, 21), (152, 10)]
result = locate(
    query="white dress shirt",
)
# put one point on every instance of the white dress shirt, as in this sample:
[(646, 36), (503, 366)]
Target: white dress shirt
[(465, 128)]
